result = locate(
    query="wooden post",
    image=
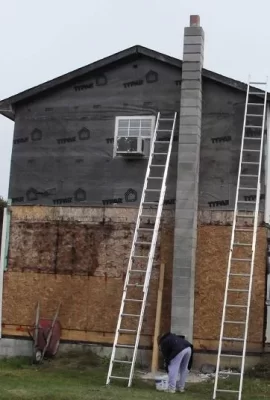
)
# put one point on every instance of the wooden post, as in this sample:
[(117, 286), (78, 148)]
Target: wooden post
[(158, 317)]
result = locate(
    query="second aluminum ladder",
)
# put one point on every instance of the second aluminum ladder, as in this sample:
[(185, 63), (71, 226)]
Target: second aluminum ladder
[(238, 290)]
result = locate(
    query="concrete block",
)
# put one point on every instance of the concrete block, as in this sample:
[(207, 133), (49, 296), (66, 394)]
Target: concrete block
[(193, 58), (187, 102), (184, 245), (192, 157), (185, 214), (191, 66), (189, 75), (189, 129), (180, 324), (187, 233), (191, 119), (190, 139), (191, 84), (190, 111), (180, 301), (194, 31), (180, 312), (186, 223), (191, 94), (193, 49), (198, 40)]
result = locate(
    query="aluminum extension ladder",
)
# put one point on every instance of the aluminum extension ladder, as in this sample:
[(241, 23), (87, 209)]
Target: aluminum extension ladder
[(243, 239), (139, 268)]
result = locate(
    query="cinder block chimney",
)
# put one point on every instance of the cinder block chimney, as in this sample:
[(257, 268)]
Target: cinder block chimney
[(185, 235)]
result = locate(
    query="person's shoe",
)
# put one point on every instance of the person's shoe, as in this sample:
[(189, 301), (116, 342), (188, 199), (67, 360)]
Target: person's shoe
[(169, 390), (181, 390)]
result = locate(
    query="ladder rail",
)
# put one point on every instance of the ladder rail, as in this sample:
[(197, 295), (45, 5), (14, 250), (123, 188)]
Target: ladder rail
[(254, 240), (132, 251), (152, 249), (231, 248)]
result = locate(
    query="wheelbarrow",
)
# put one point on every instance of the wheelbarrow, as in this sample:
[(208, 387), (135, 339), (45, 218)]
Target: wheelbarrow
[(46, 336)]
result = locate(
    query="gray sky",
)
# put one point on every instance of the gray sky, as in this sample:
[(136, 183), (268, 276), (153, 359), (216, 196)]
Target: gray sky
[(41, 40)]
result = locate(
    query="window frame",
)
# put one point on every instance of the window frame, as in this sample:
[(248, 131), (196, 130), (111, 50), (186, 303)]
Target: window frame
[(152, 118)]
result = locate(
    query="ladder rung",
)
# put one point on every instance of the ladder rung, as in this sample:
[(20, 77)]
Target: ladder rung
[(134, 285), (254, 115), (249, 175), (242, 244), (256, 104), (247, 188), (128, 346), (254, 151), (243, 230), (245, 216), (140, 256), (155, 177), (235, 322), (241, 259), (146, 229), (233, 339), (230, 355), (258, 83), (227, 391), (254, 126), (166, 119), (162, 141), (251, 162), (138, 270), (229, 373), (148, 216), (252, 138), (164, 130), (157, 165), (127, 330), (261, 93), (137, 301), (238, 290), (130, 315), (246, 202), (239, 274), (122, 362), (152, 190), (149, 243), (118, 377), (151, 202), (236, 305), (160, 154)]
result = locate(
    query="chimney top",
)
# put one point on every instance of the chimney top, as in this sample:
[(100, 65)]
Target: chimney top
[(194, 20)]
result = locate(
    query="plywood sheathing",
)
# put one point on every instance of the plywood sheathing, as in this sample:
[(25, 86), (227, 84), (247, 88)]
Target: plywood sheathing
[(92, 295), (211, 268), (89, 303)]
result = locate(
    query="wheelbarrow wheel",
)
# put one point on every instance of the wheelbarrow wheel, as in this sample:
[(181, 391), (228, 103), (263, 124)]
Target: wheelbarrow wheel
[(37, 355)]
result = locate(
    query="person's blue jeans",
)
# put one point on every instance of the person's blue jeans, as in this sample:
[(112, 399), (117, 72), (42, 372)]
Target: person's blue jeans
[(179, 364)]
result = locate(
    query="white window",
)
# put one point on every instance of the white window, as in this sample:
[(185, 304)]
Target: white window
[(133, 136)]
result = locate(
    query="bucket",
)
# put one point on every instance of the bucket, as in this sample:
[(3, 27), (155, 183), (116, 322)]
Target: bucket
[(161, 382)]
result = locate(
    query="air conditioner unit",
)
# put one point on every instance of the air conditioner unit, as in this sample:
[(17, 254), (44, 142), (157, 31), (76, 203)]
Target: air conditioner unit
[(130, 147)]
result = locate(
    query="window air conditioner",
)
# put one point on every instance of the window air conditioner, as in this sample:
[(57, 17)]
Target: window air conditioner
[(130, 146)]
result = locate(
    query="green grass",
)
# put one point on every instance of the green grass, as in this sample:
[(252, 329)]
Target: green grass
[(83, 377)]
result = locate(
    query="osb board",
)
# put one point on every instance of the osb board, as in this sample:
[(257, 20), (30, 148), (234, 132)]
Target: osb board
[(90, 304), (62, 247), (211, 267)]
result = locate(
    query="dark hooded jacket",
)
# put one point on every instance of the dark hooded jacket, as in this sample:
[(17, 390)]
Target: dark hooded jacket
[(171, 345)]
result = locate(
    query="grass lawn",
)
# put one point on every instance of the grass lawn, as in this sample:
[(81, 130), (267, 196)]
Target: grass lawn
[(83, 378)]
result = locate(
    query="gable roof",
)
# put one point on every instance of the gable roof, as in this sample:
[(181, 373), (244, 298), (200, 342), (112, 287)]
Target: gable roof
[(6, 105)]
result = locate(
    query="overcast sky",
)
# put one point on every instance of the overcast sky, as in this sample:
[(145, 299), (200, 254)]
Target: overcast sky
[(41, 40)]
